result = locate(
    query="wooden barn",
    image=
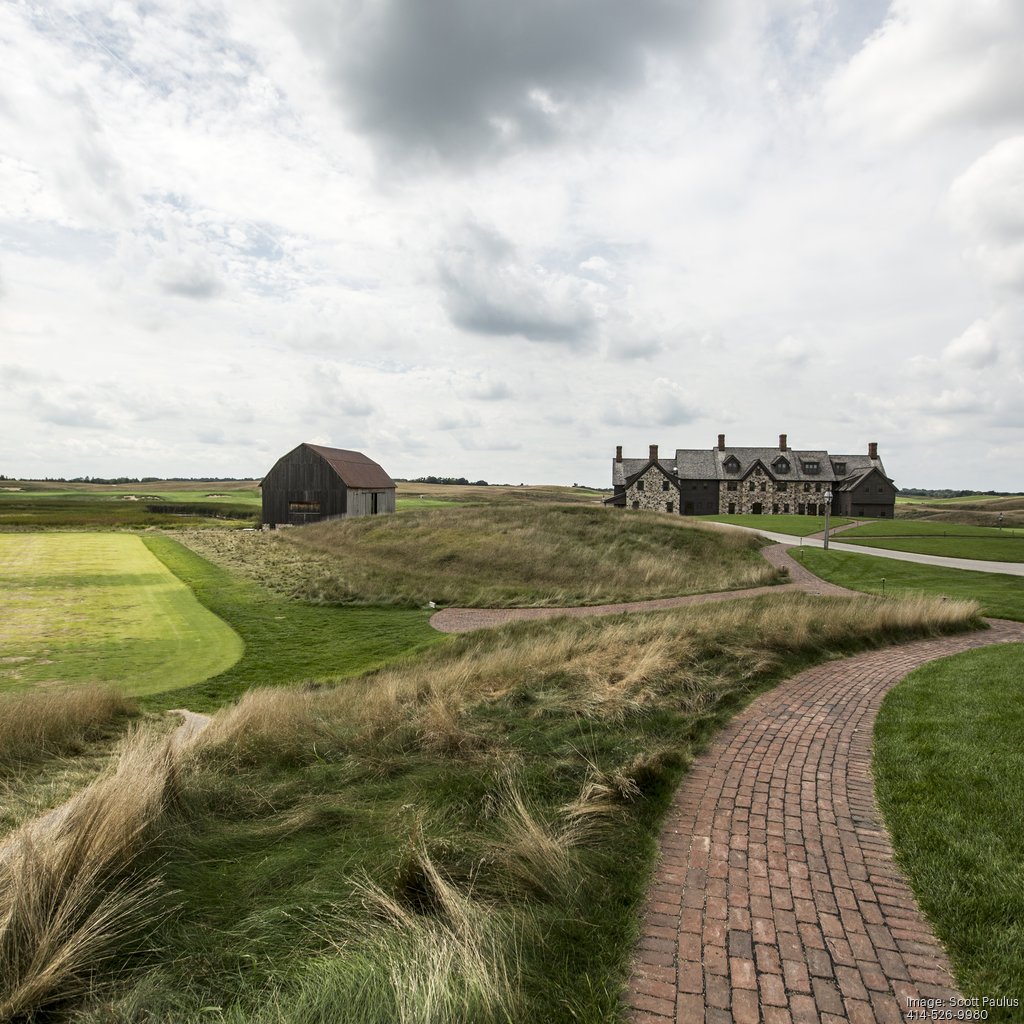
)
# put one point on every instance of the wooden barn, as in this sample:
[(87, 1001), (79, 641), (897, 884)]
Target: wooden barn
[(312, 482)]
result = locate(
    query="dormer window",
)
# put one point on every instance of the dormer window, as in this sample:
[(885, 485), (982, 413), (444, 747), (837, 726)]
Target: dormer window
[(840, 468), (781, 465), (812, 467), (732, 464)]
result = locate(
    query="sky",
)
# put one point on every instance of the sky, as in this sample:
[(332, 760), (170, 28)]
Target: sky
[(496, 239)]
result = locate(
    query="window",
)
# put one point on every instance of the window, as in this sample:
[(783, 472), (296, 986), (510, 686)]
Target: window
[(781, 466), (764, 486), (732, 508), (665, 485), (840, 468), (636, 504), (807, 487), (817, 487), (668, 506), (750, 486), (775, 510), (800, 509), (881, 489), (731, 485), (704, 485), (785, 508), (811, 467), (639, 485), (305, 507), (732, 464), (782, 485)]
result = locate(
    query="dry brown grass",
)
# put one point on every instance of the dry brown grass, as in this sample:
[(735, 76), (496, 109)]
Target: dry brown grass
[(493, 556), (609, 668), (35, 725), (69, 898)]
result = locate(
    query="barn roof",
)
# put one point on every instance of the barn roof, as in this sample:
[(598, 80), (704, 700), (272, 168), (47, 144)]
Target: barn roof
[(354, 468)]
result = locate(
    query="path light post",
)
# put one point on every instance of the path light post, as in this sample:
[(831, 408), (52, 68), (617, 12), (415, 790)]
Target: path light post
[(828, 509)]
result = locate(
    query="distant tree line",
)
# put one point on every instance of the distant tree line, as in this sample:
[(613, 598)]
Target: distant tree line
[(130, 479), (924, 492), (447, 480)]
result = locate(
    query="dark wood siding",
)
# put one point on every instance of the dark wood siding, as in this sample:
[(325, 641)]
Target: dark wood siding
[(698, 497), (302, 478)]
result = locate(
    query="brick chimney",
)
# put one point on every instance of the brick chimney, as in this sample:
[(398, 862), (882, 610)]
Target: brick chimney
[(782, 442), (721, 442), (654, 453), (872, 449), (618, 453)]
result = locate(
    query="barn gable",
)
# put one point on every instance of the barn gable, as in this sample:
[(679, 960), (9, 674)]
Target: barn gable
[(312, 483)]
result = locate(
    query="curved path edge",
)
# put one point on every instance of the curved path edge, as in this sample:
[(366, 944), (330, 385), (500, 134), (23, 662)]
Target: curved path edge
[(463, 620), (776, 897)]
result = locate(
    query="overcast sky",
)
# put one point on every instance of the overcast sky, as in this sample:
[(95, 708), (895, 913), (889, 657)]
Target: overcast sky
[(496, 239)]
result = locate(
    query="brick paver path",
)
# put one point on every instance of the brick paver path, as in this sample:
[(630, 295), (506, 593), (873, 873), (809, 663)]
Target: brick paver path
[(462, 620), (776, 898)]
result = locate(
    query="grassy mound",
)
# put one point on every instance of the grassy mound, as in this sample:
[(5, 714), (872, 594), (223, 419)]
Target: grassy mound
[(463, 838), (493, 556)]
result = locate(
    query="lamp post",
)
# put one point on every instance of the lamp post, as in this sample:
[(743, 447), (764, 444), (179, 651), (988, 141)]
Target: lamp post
[(828, 509)]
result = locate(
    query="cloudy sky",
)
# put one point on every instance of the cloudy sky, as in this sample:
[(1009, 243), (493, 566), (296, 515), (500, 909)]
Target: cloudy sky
[(496, 239)]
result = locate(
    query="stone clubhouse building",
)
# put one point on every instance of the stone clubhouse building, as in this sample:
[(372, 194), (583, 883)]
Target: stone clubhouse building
[(754, 481)]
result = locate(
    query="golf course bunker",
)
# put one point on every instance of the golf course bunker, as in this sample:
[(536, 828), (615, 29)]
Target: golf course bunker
[(100, 608)]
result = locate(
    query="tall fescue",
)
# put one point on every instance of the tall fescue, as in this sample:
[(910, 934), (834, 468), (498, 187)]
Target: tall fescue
[(491, 556), (609, 668), (38, 724), (70, 899), (520, 759)]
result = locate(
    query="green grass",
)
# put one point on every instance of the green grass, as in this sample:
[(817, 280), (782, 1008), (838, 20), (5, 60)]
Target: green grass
[(952, 540), (286, 641), (999, 596), (949, 771), (408, 504), (99, 608), (797, 526), (493, 556), (34, 505)]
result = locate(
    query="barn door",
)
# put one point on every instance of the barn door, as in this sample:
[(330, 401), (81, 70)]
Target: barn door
[(373, 503)]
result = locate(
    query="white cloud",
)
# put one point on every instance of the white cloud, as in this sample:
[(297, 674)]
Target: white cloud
[(934, 63), (674, 228)]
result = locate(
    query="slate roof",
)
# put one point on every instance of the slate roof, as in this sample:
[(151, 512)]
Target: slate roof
[(697, 464), (354, 468), (709, 464), (627, 467)]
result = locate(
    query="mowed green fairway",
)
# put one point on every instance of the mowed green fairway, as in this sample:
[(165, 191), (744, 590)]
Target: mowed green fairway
[(101, 608)]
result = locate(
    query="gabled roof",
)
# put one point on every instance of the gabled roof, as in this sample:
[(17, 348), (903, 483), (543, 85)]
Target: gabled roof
[(710, 465), (354, 468), (666, 471), (621, 471), (859, 463), (849, 483)]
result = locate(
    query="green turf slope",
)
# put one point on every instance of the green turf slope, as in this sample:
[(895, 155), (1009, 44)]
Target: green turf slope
[(78, 608)]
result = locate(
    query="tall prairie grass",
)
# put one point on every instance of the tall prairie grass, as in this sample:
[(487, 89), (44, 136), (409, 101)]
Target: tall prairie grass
[(507, 786), (71, 903), (38, 724), (490, 556)]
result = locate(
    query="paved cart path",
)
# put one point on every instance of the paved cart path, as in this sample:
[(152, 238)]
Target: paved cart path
[(462, 620), (776, 898), (967, 564)]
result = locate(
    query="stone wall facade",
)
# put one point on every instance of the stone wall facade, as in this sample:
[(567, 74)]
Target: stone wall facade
[(759, 494), (654, 492)]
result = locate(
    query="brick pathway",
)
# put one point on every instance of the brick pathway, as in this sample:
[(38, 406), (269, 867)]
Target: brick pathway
[(462, 620), (776, 898)]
